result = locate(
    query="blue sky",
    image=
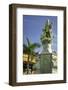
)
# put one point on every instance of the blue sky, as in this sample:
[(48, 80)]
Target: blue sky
[(32, 29)]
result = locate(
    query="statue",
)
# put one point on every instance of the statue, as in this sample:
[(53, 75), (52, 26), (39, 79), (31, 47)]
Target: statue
[(46, 55), (46, 35)]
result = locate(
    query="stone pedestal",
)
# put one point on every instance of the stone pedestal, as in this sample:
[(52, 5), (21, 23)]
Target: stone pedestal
[(46, 63), (46, 59)]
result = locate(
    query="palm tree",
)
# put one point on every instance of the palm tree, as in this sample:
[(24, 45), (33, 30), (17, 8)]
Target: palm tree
[(29, 48)]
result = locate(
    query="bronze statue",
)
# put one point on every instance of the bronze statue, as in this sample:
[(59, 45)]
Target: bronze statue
[(46, 35)]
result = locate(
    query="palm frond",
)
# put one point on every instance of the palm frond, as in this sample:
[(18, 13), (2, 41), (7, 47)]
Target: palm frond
[(35, 45), (28, 42), (25, 48)]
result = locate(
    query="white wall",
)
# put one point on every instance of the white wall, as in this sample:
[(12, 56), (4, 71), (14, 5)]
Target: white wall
[(4, 47)]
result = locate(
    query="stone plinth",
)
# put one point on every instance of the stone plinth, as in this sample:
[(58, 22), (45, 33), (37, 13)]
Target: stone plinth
[(46, 63)]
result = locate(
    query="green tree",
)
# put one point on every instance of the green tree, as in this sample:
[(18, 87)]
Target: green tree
[(29, 48)]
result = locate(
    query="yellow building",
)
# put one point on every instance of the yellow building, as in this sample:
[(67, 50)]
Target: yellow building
[(31, 60)]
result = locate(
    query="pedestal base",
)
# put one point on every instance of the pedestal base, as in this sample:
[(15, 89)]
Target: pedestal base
[(46, 63)]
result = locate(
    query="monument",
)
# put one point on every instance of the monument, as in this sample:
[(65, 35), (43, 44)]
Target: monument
[(46, 54)]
